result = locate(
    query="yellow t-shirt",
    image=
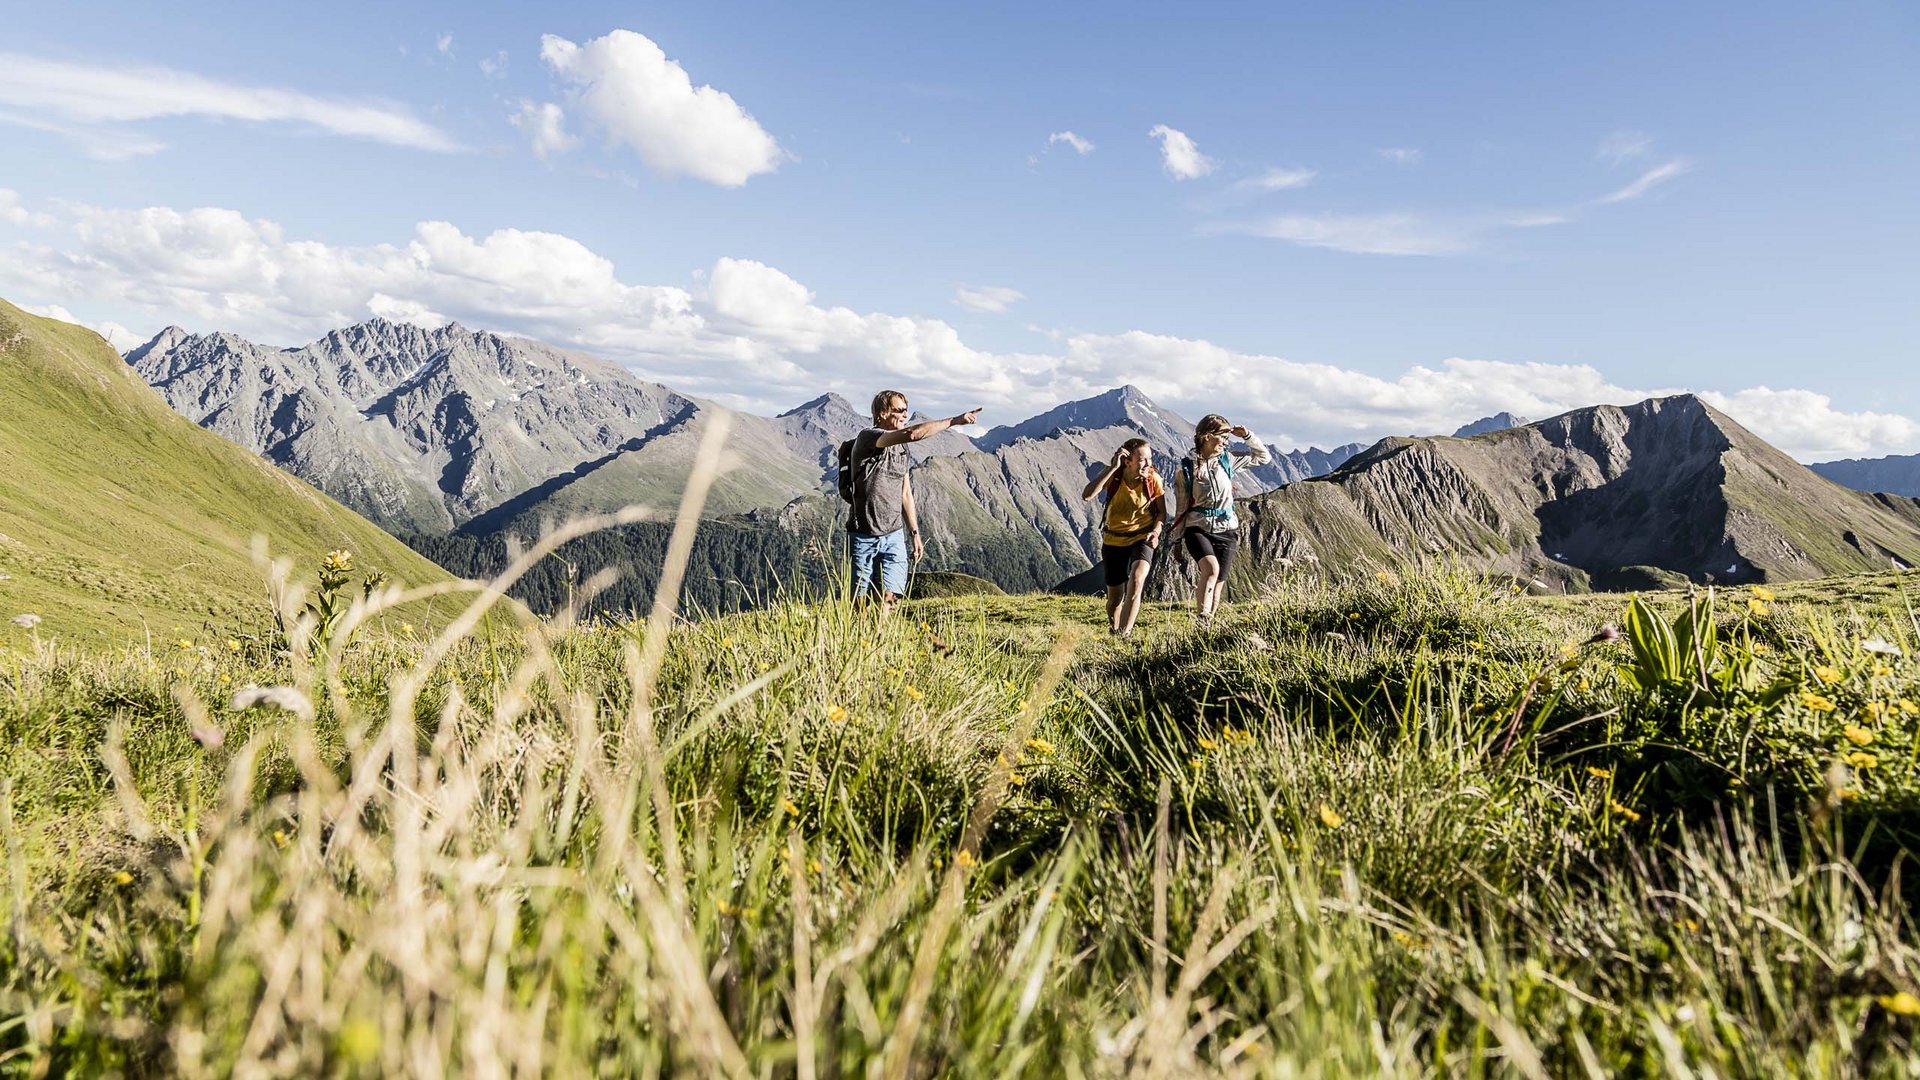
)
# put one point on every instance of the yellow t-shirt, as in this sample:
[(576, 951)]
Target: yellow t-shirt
[(1129, 514)]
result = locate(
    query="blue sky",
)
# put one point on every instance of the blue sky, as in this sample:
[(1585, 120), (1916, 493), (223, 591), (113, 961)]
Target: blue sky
[(1392, 218)]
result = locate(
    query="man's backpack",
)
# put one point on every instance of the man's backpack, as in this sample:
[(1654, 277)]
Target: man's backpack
[(846, 471)]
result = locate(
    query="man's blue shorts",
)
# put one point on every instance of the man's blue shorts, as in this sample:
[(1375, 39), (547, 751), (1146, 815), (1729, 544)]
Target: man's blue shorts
[(880, 563)]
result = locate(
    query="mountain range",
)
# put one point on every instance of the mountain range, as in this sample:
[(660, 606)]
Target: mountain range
[(1896, 474), (456, 430), (120, 520), (1658, 493)]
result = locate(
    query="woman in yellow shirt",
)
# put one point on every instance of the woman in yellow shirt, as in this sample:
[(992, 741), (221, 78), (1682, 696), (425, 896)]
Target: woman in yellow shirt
[(1136, 513)]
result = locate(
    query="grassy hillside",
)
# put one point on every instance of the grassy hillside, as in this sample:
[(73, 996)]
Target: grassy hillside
[(1402, 826), (119, 517)]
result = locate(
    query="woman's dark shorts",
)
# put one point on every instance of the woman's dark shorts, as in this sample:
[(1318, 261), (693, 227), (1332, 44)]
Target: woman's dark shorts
[(1119, 561), (1220, 545)]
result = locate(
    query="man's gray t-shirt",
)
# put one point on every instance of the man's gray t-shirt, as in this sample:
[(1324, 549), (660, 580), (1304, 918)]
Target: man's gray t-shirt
[(879, 475)]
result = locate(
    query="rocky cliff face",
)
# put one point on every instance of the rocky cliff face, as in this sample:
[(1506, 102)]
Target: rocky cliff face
[(1602, 497), (1898, 474)]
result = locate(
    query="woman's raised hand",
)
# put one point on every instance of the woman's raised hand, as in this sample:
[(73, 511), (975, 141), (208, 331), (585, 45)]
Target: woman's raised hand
[(1240, 432)]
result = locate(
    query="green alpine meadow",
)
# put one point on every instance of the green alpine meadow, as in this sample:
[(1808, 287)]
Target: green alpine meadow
[(1408, 824)]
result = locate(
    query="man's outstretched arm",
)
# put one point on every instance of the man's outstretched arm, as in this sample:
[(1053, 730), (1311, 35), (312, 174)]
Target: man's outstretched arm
[(926, 429)]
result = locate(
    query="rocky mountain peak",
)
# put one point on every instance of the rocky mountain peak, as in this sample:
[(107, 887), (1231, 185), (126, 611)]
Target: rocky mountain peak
[(1499, 421)]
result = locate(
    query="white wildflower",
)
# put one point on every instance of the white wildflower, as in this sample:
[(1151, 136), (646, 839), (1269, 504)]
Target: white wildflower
[(26, 621), (1881, 646)]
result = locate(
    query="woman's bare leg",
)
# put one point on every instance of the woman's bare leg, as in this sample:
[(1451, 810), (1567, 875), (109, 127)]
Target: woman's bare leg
[(1130, 606), (1207, 574), (1113, 608)]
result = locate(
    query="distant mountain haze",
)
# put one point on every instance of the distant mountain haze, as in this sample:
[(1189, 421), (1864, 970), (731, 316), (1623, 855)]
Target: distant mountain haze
[(1898, 474)]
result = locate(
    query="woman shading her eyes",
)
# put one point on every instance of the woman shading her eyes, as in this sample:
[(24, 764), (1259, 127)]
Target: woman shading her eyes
[(1205, 494)]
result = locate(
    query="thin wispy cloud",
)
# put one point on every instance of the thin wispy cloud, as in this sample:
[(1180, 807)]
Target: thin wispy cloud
[(86, 101), (1401, 155), (1360, 234), (1080, 146), (987, 298), (1647, 181), (444, 43), (1277, 180), (635, 96), (1179, 156), (495, 66), (1622, 146)]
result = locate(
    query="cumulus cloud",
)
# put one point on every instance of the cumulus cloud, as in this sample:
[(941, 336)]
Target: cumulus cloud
[(1808, 426), (85, 101), (545, 125), (14, 212), (117, 335), (1401, 155), (753, 336), (1647, 181), (993, 298), (633, 95), (1181, 159), (1081, 146)]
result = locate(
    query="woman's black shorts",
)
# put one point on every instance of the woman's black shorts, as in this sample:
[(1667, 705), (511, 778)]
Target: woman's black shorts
[(1119, 561), (1220, 545)]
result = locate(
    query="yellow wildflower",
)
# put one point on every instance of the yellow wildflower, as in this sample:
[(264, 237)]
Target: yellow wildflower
[(1208, 744), (914, 692), (1689, 926), (1016, 779), (1756, 606), (894, 673), (1040, 746), (279, 838), (186, 643), (813, 866), (1849, 794), (789, 807), (1007, 685), (407, 629), (1827, 674), (1584, 686), (1902, 1003), (965, 858), (233, 645), (1329, 817), (1907, 706), (836, 714), (1569, 650), (121, 877), (1816, 702), (726, 643), (1197, 763), (1858, 736), (1623, 810), (1874, 709), (1353, 614), (1761, 592), (338, 560), (1760, 648), (1860, 759), (1599, 773), (1881, 671)]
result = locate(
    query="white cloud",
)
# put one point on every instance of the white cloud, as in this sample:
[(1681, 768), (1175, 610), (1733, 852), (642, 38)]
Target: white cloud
[(1363, 234), (1277, 180), (15, 212), (1179, 156), (627, 88), (752, 336), (1081, 146), (1647, 181), (495, 66), (444, 43), (1807, 425), (545, 124), (85, 100), (1624, 146), (993, 298), (1401, 155)]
